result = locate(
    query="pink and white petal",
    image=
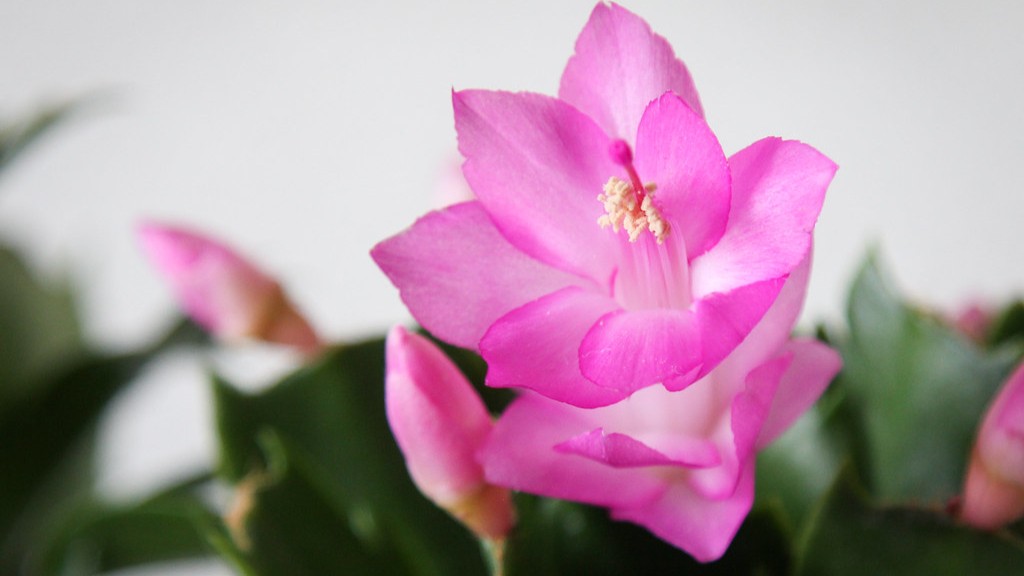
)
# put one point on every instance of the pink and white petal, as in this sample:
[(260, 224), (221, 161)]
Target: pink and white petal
[(436, 417), (676, 150), (724, 321), (812, 368), (620, 65), (632, 349), (772, 332), (750, 408), (457, 274), (537, 165), (520, 454), (623, 451), (702, 527), (744, 406), (778, 187), (536, 347)]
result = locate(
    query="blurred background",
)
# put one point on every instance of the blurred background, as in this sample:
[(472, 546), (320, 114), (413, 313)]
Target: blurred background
[(304, 135)]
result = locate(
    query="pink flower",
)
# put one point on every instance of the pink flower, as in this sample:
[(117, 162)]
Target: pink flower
[(222, 291), (440, 423), (994, 490), (681, 463), (611, 245)]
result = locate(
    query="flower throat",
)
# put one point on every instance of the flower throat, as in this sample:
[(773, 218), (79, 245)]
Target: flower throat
[(628, 205)]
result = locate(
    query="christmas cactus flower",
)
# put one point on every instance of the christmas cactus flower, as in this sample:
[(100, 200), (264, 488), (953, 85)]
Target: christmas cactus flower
[(440, 424), (994, 491), (224, 292), (611, 244), (680, 463)]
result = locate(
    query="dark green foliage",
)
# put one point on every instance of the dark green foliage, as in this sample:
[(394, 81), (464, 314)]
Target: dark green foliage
[(331, 416), (851, 536)]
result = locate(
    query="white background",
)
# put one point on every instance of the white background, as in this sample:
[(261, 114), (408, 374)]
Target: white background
[(305, 132)]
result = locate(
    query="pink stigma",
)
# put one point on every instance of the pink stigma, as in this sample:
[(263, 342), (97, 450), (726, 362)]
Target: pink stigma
[(623, 156), (620, 153)]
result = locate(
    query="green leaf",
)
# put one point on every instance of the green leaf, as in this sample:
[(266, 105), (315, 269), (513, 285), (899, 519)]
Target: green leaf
[(285, 522), (38, 330), (920, 389), (331, 416), (1008, 325), (555, 537), (42, 432), (797, 468), (849, 536), (15, 137), (101, 536)]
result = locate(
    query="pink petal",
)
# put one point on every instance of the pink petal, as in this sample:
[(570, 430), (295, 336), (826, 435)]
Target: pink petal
[(748, 402), (458, 275), (741, 348), (989, 501), (702, 527), (623, 451), (773, 330), (812, 368), (663, 419), (676, 150), (536, 347), (1006, 414), (725, 320), (751, 407), (438, 420), (620, 65), (632, 349), (537, 166), (777, 191), (994, 488), (521, 455), (994, 492)]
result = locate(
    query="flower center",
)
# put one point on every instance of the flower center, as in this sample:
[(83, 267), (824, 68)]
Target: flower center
[(628, 205)]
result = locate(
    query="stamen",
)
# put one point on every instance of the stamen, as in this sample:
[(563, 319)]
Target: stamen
[(628, 205)]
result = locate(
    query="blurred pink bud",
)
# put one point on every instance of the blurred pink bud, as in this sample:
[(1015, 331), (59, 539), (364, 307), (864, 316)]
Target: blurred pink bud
[(440, 423), (974, 321), (222, 291), (994, 491)]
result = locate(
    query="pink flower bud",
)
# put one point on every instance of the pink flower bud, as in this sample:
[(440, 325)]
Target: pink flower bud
[(994, 490), (222, 291), (440, 423), (974, 321)]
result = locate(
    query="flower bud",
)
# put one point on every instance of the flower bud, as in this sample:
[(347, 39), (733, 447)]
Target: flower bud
[(974, 321), (440, 423), (994, 490), (223, 292)]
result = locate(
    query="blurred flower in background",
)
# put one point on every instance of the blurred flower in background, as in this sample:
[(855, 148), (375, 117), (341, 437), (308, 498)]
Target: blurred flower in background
[(224, 292)]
